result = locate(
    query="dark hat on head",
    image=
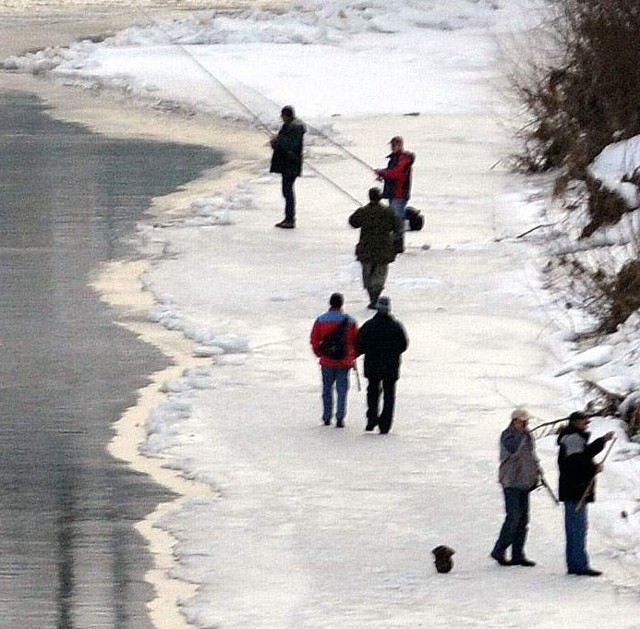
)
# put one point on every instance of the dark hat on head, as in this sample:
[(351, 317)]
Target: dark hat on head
[(577, 416), (336, 300), (375, 194), (383, 304), (289, 111)]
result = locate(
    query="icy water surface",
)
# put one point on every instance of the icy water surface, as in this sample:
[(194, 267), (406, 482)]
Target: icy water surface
[(70, 557)]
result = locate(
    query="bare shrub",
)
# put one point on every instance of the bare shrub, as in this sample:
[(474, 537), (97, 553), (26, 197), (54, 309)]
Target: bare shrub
[(605, 206), (580, 87), (624, 295), (585, 93), (610, 295)]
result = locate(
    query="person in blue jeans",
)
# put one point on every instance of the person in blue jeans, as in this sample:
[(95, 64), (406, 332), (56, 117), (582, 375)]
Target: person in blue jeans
[(397, 183), (335, 370), (577, 488), (518, 474)]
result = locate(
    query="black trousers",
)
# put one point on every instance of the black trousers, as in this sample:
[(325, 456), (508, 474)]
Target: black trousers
[(382, 419), (289, 197)]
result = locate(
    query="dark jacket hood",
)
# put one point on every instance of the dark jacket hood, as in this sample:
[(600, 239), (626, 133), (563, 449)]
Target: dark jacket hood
[(567, 430)]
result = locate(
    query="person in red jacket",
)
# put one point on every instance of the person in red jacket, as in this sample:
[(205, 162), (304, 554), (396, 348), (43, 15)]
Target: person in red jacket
[(397, 182), (336, 361)]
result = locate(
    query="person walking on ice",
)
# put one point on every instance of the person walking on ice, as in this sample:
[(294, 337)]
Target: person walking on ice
[(375, 250), (382, 339), (333, 338)]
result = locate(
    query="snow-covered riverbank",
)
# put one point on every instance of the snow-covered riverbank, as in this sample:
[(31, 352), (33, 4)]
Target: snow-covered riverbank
[(295, 524)]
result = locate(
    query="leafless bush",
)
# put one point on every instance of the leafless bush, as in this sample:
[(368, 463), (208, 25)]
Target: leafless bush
[(585, 92), (602, 284), (605, 206)]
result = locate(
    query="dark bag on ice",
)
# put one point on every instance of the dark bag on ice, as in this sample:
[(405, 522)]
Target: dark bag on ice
[(334, 345), (415, 218)]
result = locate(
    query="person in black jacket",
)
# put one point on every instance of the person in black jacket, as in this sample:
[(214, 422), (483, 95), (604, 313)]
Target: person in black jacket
[(382, 339), (577, 488), (287, 160)]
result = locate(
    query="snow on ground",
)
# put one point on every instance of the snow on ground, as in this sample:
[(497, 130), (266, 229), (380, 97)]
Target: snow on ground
[(309, 526)]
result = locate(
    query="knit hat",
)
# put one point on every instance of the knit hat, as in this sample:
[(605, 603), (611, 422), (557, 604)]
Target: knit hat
[(383, 304), (577, 416), (520, 413)]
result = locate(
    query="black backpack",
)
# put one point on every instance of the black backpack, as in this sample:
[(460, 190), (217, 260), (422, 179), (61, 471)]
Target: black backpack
[(416, 220), (334, 345)]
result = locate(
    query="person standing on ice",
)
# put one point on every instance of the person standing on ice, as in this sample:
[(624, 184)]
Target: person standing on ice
[(382, 339), (519, 475), (397, 182), (333, 338), (375, 250), (577, 488), (287, 160)]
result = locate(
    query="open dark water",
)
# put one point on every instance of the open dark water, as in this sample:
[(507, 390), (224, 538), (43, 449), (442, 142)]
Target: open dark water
[(69, 555)]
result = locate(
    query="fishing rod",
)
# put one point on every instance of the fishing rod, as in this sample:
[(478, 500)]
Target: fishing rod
[(545, 484), (593, 480), (355, 369), (255, 117), (333, 183)]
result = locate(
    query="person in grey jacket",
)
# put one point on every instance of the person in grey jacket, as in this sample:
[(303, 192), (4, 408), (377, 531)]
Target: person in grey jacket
[(519, 474)]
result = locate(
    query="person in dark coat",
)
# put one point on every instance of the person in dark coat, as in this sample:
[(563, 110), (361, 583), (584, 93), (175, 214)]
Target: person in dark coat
[(375, 250), (335, 371), (518, 474), (287, 160), (382, 339), (397, 182), (577, 481)]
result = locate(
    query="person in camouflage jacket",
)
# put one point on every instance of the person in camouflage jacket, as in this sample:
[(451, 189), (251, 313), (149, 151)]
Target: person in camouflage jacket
[(378, 225)]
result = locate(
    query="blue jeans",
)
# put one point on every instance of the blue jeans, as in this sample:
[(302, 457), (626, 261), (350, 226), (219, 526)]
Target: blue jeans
[(575, 528), (514, 530), (399, 206), (339, 376)]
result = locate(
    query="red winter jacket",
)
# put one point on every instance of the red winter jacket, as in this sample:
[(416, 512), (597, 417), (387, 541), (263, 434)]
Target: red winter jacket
[(397, 175), (324, 325)]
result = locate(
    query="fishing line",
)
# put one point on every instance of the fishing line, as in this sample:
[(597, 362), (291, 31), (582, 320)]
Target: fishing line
[(333, 183), (316, 130), (255, 117)]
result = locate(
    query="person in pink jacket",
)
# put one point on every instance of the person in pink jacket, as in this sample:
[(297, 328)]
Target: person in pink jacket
[(333, 338)]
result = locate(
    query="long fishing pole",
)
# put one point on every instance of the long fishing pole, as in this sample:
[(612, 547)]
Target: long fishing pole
[(355, 369), (333, 183), (255, 117), (593, 480), (210, 74), (545, 484)]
